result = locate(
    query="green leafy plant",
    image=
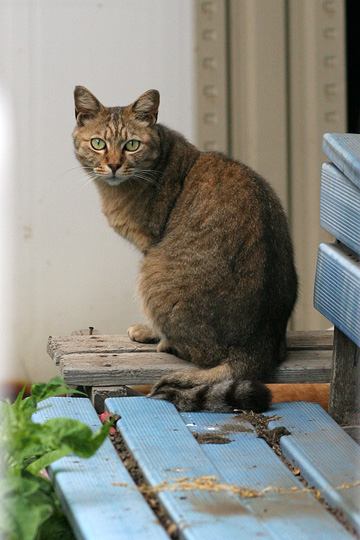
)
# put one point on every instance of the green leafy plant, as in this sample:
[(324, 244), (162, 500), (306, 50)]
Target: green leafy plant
[(30, 509)]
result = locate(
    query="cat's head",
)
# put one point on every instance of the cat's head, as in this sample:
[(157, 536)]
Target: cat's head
[(116, 143)]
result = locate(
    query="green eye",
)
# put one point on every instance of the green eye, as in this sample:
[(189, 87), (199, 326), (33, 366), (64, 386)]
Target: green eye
[(132, 145), (98, 144)]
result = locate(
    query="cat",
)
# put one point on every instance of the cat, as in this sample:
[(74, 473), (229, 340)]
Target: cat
[(217, 278)]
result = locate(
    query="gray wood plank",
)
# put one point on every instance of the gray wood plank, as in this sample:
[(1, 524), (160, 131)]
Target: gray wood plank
[(112, 343), (310, 339), (98, 394), (58, 347), (119, 369), (344, 403), (147, 367)]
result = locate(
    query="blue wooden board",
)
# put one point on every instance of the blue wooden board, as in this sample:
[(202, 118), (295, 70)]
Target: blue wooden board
[(249, 461), (96, 507), (327, 456), (340, 207), (343, 149), (337, 289), (160, 441)]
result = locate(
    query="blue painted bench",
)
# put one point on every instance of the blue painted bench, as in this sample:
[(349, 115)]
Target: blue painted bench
[(290, 474), (337, 282), (212, 474)]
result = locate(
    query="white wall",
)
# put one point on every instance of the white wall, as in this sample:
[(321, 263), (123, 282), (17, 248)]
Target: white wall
[(70, 269)]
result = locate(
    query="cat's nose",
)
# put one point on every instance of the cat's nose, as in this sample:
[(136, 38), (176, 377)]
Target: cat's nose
[(114, 167)]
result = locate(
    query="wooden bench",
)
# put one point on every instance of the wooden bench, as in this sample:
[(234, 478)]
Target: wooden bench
[(107, 365), (292, 473)]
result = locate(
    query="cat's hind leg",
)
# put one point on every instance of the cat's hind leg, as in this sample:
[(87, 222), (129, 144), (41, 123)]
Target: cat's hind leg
[(214, 389), (142, 334)]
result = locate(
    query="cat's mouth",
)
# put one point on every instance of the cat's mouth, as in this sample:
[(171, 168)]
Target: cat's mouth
[(112, 180), (115, 181)]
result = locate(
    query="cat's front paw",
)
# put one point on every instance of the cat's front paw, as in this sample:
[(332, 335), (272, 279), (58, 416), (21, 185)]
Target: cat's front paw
[(165, 346), (142, 334)]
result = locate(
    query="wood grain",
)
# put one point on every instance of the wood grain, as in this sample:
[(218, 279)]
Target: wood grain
[(344, 404), (115, 360), (91, 369), (113, 343), (58, 347)]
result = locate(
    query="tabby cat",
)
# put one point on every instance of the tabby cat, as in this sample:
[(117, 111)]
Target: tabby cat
[(217, 278)]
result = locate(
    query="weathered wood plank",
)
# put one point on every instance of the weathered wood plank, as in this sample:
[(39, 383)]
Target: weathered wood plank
[(148, 367), (105, 344), (109, 343), (98, 494), (98, 394), (119, 369), (310, 339), (304, 366), (329, 459), (344, 403)]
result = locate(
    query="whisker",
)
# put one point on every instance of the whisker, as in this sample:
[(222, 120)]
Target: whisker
[(149, 171), (145, 179), (67, 171)]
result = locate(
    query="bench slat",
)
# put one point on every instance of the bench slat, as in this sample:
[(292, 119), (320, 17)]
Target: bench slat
[(309, 339), (96, 507), (108, 343), (340, 207), (337, 288), (146, 368), (59, 347), (326, 455), (167, 452), (249, 461), (343, 149)]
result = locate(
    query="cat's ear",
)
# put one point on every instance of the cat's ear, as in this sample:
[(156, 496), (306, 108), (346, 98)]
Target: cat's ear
[(146, 107), (86, 105)]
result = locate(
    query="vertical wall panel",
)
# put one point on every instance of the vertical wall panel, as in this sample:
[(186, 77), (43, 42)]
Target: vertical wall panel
[(317, 105), (212, 75), (285, 88), (258, 114)]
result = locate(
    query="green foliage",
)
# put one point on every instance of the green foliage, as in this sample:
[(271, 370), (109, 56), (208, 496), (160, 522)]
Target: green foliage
[(30, 508)]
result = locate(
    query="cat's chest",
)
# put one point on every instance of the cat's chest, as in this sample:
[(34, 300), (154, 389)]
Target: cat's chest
[(125, 214)]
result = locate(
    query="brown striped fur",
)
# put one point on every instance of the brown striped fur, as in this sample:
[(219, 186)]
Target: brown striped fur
[(217, 279)]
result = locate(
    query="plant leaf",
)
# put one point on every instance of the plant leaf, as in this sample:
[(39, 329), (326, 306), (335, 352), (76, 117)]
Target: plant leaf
[(78, 437), (29, 506), (44, 461)]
